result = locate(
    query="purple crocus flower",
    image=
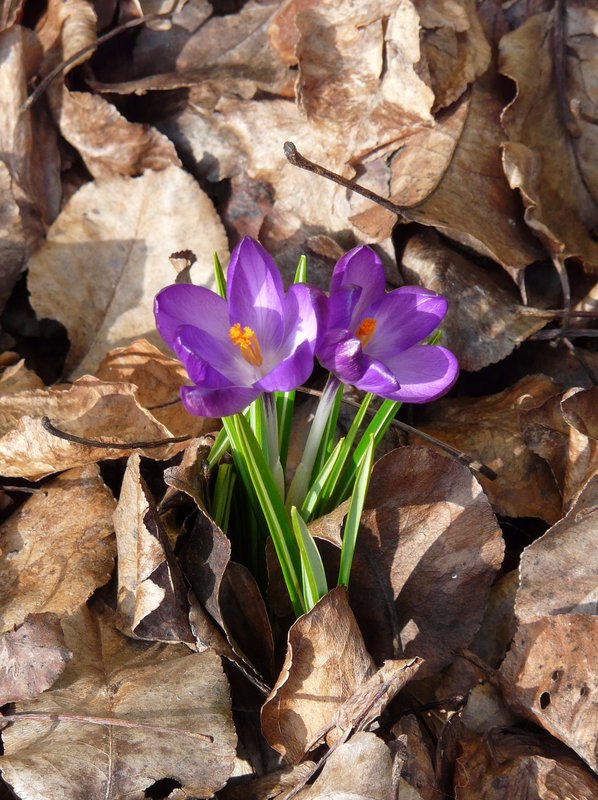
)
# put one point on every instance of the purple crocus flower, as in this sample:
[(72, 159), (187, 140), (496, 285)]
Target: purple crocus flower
[(257, 340), (371, 339)]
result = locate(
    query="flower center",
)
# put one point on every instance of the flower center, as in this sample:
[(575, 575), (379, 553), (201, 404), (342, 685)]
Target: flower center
[(365, 331), (246, 340)]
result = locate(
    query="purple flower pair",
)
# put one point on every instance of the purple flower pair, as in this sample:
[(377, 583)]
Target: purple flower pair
[(261, 339)]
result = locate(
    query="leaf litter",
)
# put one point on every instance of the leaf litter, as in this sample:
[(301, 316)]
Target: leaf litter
[(461, 661)]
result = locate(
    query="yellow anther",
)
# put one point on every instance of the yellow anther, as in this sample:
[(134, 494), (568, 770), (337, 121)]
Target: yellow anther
[(247, 342), (366, 329)]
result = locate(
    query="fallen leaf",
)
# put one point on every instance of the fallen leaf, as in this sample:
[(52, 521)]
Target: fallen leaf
[(32, 657), (579, 411), (17, 378), (549, 675), (427, 552), (360, 769), (546, 433), (151, 596), (412, 752), (273, 785), (542, 154), (110, 246), (558, 571), (158, 379), (489, 428), (87, 408), (326, 662), (485, 322), (509, 765), (166, 697), (59, 570), (65, 29)]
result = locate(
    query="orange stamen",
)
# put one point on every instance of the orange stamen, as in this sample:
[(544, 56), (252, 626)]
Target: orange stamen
[(246, 340), (365, 331)]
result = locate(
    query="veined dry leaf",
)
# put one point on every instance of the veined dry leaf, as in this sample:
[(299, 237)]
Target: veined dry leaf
[(550, 675), (158, 379), (546, 156), (579, 411), (510, 765), (107, 256), (489, 429), (58, 547), (87, 408), (166, 696), (360, 769), (426, 555), (546, 433), (413, 761), (17, 378), (326, 662), (558, 571), (152, 596), (31, 658), (485, 321)]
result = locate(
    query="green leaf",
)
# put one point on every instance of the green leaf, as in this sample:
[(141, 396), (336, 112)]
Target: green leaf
[(219, 277), (313, 496), (301, 271), (315, 585), (223, 492), (285, 405), (354, 513)]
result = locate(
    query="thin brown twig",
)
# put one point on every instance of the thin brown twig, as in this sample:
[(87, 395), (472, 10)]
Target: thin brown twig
[(569, 333), (117, 723), (71, 437)]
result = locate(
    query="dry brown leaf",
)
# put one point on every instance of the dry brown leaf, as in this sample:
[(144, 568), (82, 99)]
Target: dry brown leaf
[(151, 593), (58, 547), (579, 411), (427, 552), (31, 658), (12, 236), (158, 379), (326, 662), (413, 761), (10, 12), (67, 27), (106, 256), (274, 785), (17, 378), (106, 141), (489, 429), (87, 408), (558, 571), (165, 695), (550, 676), (517, 765), (546, 433), (360, 769), (546, 153), (485, 322)]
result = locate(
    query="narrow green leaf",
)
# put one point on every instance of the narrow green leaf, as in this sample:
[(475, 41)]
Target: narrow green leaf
[(327, 440), (315, 585), (310, 504), (301, 271), (223, 491), (219, 277), (285, 405), (356, 504), (219, 448)]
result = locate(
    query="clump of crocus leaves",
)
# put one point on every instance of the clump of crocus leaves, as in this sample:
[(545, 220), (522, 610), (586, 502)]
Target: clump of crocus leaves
[(248, 347)]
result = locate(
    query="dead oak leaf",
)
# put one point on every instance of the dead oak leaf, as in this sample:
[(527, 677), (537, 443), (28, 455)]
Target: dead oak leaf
[(163, 700), (59, 570), (32, 657), (87, 408), (106, 256)]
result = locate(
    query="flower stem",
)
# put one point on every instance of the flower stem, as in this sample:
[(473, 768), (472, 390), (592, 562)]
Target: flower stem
[(273, 455), (300, 483)]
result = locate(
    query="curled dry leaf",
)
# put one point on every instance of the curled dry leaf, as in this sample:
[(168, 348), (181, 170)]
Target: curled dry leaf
[(87, 408), (67, 27), (32, 657), (17, 378), (509, 765), (106, 257), (484, 322), (550, 676), (360, 769), (326, 662), (579, 411), (558, 571), (427, 552), (489, 428), (546, 156), (58, 547), (151, 597), (162, 700), (158, 379), (413, 763)]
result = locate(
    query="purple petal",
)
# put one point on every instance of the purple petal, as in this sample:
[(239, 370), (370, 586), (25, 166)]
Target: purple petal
[(342, 305), (341, 353), (424, 372), (193, 345), (403, 318), (377, 378), (255, 293), (217, 402), (301, 307), (184, 304), (360, 267), (291, 372)]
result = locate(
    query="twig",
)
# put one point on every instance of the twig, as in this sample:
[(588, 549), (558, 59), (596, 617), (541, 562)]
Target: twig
[(569, 333), (117, 723), (71, 437), (297, 160)]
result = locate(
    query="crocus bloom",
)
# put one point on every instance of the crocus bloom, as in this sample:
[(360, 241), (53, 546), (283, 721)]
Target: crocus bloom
[(257, 340), (371, 338)]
